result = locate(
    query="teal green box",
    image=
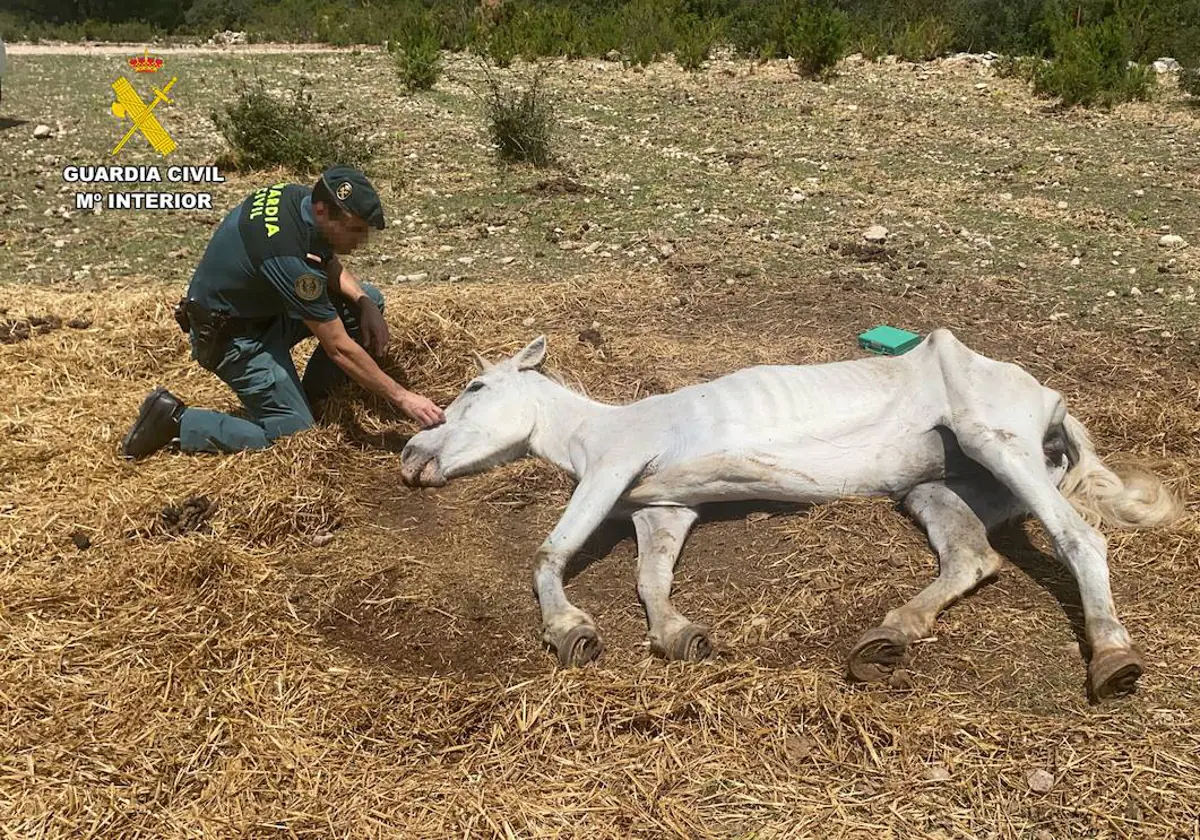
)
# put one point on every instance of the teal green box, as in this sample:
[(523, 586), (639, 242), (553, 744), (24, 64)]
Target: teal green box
[(888, 340)]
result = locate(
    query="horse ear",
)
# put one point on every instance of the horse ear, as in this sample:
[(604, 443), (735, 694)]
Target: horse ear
[(483, 363), (533, 354)]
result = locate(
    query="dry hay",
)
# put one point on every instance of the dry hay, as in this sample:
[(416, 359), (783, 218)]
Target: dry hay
[(249, 678)]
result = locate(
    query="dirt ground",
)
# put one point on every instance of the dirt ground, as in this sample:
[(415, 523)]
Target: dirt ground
[(291, 643)]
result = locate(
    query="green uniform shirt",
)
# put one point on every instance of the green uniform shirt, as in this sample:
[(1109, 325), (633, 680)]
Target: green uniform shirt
[(267, 259)]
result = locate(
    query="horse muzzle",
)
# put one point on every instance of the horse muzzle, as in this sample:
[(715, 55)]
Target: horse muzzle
[(420, 470)]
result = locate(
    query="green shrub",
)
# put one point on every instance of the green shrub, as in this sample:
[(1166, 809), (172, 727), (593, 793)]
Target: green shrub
[(649, 29), (694, 41), (1012, 26), (872, 46), (458, 23), (603, 34), (750, 30), (1091, 67), (208, 16), (923, 40), (264, 131), (502, 44), (286, 20), (417, 49), (1023, 67), (1189, 81), (552, 31), (816, 39), (521, 122)]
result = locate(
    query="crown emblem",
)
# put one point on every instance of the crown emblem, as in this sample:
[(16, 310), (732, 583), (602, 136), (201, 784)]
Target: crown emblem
[(145, 63)]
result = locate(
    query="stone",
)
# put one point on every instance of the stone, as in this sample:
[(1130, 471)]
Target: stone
[(876, 233), (936, 773), (1039, 781), (43, 132)]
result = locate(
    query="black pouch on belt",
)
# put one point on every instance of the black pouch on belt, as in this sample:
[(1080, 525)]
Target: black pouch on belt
[(181, 315), (211, 333)]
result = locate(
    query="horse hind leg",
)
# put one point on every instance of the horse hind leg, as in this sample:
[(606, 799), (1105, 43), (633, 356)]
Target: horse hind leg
[(957, 517), (1017, 461)]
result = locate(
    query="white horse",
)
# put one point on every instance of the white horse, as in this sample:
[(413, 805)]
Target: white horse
[(964, 441)]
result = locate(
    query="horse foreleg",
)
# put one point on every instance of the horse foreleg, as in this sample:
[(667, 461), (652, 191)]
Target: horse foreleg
[(661, 532), (568, 629)]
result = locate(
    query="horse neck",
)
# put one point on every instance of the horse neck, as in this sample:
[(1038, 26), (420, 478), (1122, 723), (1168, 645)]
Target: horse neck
[(559, 412)]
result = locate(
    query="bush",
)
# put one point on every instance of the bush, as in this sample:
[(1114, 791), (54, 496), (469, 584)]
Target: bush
[(872, 46), (552, 31), (649, 29), (924, 40), (458, 22), (1091, 67), (603, 34), (1014, 26), (208, 16), (417, 48), (1024, 67), (816, 39), (521, 122), (1189, 80), (502, 44), (694, 41), (751, 30), (265, 131), (286, 20)]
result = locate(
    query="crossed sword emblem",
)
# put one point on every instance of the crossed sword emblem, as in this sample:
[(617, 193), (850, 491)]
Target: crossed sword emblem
[(129, 104)]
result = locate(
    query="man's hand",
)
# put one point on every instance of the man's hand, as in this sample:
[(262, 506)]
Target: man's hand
[(420, 409), (347, 354), (375, 333)]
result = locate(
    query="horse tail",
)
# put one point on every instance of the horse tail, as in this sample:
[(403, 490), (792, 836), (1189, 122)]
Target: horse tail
[(1128, 496)]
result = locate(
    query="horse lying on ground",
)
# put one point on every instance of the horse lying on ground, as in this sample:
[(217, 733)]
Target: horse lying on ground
[(964, 442)]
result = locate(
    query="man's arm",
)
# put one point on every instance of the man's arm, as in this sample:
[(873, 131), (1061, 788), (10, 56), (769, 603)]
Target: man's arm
[(375, 332), (342, 282), (304, 291), (346, 353)]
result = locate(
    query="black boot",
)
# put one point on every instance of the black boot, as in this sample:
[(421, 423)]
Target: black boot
[(157, 424)]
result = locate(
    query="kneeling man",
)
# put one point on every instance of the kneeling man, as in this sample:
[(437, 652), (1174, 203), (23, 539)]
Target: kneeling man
[(269, 278)]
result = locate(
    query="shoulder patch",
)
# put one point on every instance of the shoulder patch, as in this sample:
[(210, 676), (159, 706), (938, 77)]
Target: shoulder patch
[(308, 287)]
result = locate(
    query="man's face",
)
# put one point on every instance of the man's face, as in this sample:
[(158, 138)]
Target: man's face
[(344, 233)]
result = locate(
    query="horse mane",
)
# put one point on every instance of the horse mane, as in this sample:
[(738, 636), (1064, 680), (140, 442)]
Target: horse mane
[(573, 384)]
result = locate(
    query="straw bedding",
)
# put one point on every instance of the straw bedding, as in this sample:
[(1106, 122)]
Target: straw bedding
[(289, 643)]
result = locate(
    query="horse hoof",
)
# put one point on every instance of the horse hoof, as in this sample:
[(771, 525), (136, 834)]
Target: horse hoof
[(1114, 673), (691, 644), (877, 653), (581, 645)]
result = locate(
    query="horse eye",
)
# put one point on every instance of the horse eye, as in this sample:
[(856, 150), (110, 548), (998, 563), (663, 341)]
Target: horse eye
[(474, 386)]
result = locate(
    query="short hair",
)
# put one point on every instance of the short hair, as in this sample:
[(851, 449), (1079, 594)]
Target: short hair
[(322, 193)]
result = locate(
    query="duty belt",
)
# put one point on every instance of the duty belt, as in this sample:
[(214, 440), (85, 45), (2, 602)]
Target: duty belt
[(213, 329)]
